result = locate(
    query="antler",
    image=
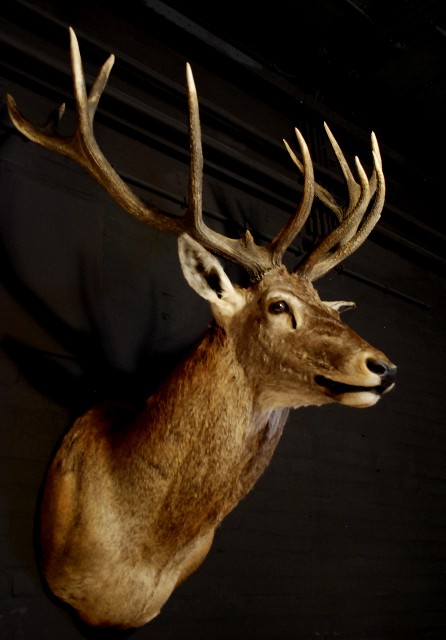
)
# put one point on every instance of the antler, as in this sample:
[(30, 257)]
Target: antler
[(84, 150), (256, 260), (354, 226)]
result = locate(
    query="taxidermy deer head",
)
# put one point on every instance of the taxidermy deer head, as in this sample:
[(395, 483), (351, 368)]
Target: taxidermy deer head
[(131, 502)]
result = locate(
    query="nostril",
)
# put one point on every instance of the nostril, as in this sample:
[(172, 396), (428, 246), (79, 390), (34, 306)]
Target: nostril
[(381, 368), (376, 366)]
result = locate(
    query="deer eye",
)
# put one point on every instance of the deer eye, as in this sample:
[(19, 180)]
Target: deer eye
[(280, 306)]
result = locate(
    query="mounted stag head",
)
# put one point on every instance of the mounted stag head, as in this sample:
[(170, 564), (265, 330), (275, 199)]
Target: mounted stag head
[(131, 502)]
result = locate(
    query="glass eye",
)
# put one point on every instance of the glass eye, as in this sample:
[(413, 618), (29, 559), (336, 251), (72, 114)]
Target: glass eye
[(280, 306)]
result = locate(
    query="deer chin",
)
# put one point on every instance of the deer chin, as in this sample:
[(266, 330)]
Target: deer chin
[(352, 395)]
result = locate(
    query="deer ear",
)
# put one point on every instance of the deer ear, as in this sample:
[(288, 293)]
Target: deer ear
[(340, 305), (206, 276)]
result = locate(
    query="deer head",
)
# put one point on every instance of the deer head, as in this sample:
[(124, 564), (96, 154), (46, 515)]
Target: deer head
[(294, 347), (130, 504)]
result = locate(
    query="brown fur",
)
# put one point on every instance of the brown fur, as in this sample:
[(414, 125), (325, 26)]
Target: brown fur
[(131, 503)]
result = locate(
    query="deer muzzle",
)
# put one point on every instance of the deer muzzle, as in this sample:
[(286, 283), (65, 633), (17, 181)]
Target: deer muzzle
[(361, 395)]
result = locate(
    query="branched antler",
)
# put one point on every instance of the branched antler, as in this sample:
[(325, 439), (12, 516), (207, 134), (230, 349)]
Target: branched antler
[(82, 147), (354, 225)]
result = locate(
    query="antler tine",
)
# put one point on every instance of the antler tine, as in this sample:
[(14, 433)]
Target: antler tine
[(353, 188), (351, 233), (286, 235), (194, 212), (320, 192)]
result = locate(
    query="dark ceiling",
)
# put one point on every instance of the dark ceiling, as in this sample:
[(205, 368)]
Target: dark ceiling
[(379, 63)]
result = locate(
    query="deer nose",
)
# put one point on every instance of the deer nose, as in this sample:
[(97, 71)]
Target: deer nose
[(385, 370)]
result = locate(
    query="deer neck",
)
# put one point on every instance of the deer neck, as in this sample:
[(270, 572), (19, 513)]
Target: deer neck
[(211, 385), (210, 443)]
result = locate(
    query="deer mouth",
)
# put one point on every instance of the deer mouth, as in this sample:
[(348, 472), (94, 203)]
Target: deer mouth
[(336, 388)]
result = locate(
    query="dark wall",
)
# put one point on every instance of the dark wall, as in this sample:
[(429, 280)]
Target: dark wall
[(344, 535)]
